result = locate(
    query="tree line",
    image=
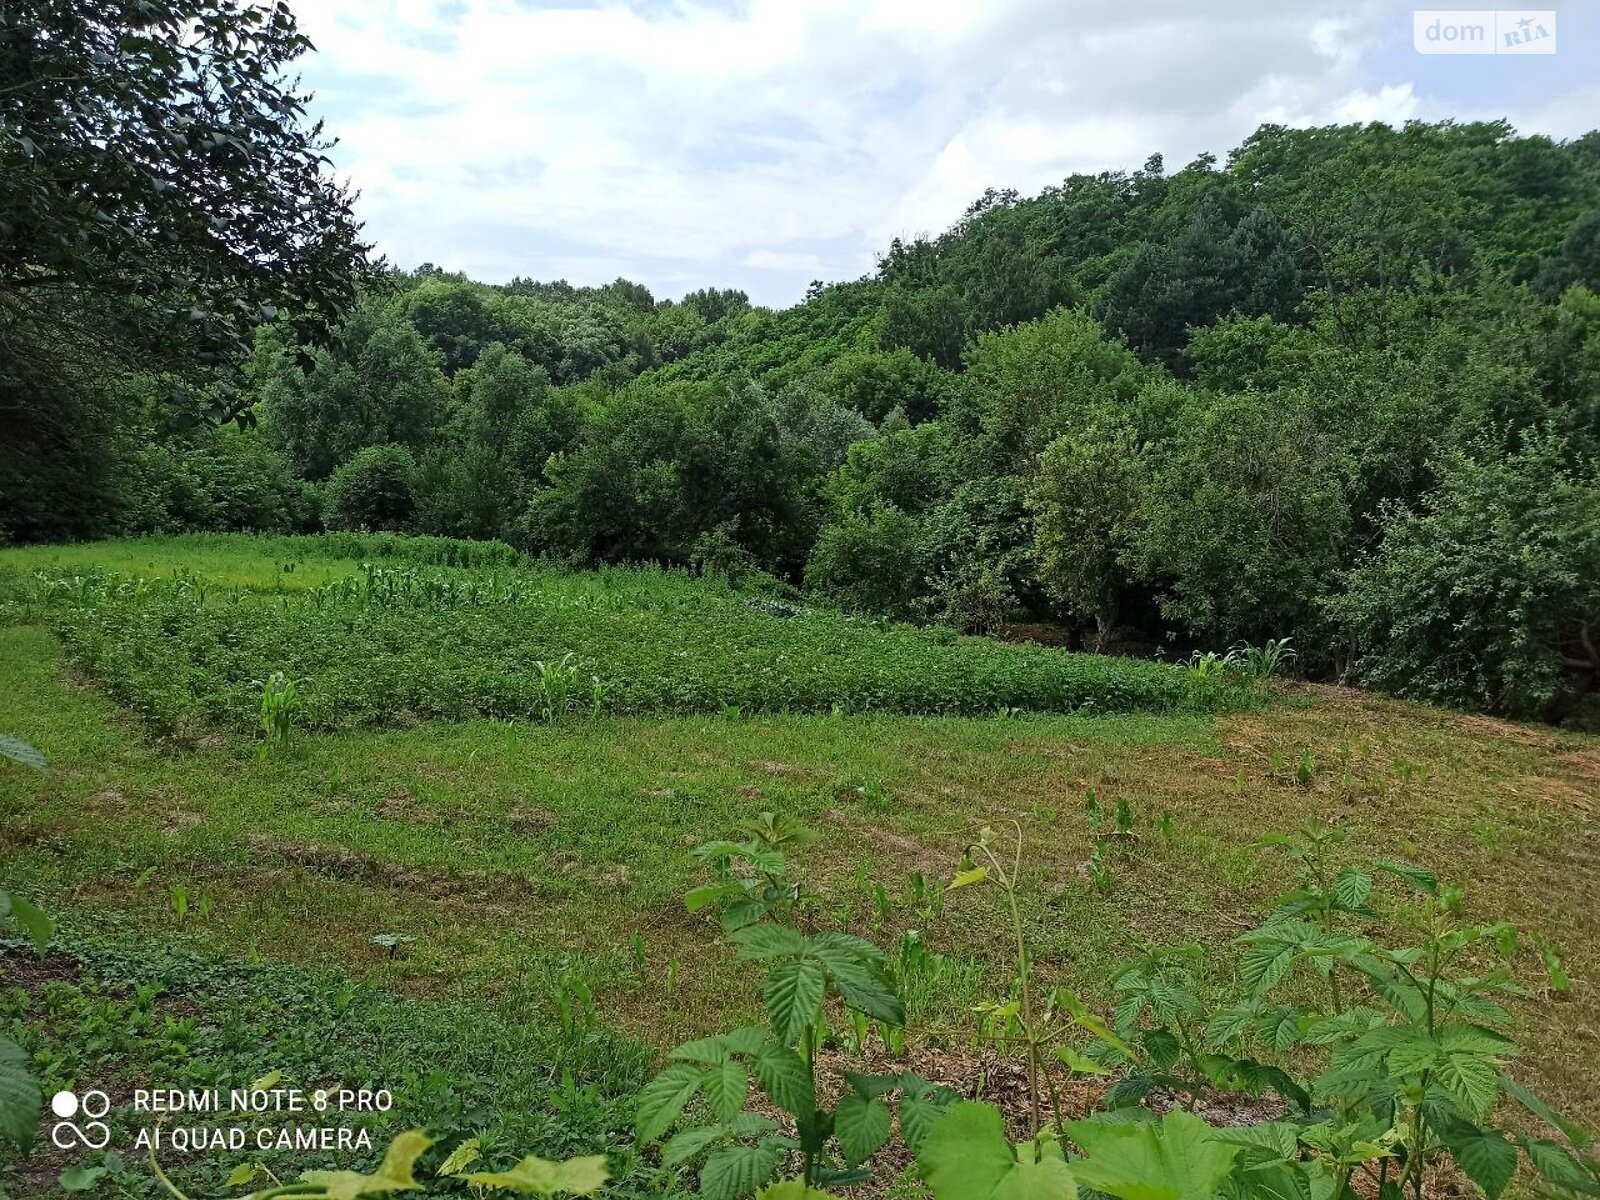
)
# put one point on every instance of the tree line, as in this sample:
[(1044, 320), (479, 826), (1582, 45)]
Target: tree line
[(1343, 386)]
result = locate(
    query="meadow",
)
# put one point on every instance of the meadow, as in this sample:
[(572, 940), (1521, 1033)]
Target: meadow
[(435, 881)]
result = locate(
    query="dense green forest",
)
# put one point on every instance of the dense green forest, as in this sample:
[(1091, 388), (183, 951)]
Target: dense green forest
[(1343, 387)]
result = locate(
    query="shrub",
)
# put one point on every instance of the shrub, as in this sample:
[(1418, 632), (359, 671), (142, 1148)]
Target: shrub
[(870, 562), (373, 490), (1486, 595)]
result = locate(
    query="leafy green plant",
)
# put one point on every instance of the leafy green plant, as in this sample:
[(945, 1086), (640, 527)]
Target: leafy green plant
[(280, 702), (701, 1097), (1264, 663)]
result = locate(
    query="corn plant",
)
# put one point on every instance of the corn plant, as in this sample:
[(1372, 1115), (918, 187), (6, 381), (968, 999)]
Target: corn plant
[(1262, 664), (280, 701), (557, 687)]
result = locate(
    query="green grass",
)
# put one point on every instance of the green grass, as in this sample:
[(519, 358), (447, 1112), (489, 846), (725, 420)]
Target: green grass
[(523, 857), (114, 1016), (394, 646)]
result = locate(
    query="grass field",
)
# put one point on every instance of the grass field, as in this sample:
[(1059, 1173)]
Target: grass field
[(539, 866)]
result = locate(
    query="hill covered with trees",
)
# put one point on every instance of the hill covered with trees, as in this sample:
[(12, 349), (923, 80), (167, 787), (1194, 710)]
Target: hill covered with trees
[(1343, 387)]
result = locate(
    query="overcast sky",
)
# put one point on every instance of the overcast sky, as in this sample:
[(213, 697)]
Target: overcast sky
[(768, 143)]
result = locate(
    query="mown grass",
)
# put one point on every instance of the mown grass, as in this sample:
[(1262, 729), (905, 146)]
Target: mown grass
[(524, 857)]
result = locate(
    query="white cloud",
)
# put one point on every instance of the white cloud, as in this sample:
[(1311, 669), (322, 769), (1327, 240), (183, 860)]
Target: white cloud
[(778, 141)]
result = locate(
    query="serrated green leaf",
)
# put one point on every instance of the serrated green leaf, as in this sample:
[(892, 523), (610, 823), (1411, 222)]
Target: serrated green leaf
[(393, 1174), (1473, 1082), (767, 940), (793, 994), (1576, 1134), (966, 1156), (793, 1189), (663, 1098), (1263, 967), (1484, 1154), (20, 1101), (540, 1177), (861, 1126), (681, 1147), (734, 1171), (240, 1175), (462, 1157), (725, 1087), (865, 993), (783, 1076), (1175, 1160), (81, 1177), (1559, 1167), (1352, 888), (712, 893), (1423, 881)]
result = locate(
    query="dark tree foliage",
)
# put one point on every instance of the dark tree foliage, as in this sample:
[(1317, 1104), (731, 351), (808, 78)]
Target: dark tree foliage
[(158, 173)]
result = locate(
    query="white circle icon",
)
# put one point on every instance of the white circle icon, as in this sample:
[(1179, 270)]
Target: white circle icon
[(64, 1104)]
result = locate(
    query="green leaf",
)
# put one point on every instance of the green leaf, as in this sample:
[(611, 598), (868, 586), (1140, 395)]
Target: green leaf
[(1175, 1160), (681, 1147), (793, 994), (785, 1079), (712, 893), (709, 1052), (462, 1157), (1484, 1154), (918, 1116), (966, 1156), (1078, 1062), (767, 940), (19, 751), (867, 994), (1279, 1139), (1423, 881), (1351, 888), (861, 1126), (968, 877), (1474, 1082), (1092, 1023), (1263, 967), (734, 1171), (393, 1175), (1559, 1167), (793, 1189), (1576, 1134), (240, 1175), (725, 1087), (663, 1098), (20, 1101), (32, 921), (540, 1177), (82, 1177)]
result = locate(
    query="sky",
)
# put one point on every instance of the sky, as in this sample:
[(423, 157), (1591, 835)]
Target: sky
[(762, 144)]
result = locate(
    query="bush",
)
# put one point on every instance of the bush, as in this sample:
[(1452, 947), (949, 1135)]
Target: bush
[(1485, 597), (374, 490), (870, 562)]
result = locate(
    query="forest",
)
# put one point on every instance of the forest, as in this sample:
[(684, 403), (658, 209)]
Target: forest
[(1101, 707), (1343, 388)]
